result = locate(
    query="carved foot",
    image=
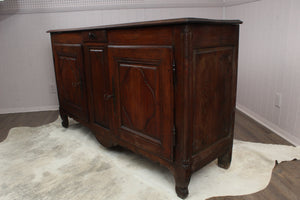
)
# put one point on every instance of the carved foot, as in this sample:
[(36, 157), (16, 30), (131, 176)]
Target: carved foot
[(65, 123), (182, 180), (107, 143), (65, 120), (225, 159), (182, 192)]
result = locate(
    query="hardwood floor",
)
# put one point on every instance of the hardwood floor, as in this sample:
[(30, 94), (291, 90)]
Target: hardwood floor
[(285, 182), (247, 129), (8, 121), (284, 185)]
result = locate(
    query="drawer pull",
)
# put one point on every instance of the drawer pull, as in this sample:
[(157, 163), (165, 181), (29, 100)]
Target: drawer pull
[(76, 84), (92, 36)]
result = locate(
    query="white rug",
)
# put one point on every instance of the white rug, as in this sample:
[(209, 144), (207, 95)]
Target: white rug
[(51, 162)]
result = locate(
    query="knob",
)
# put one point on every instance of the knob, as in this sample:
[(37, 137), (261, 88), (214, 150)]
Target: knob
[(92, 36)]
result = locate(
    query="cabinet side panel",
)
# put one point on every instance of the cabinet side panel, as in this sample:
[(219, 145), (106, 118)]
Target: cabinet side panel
[(214, 68), (212, 84)]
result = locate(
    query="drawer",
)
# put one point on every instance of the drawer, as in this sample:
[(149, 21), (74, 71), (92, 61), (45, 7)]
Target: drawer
[(94, 36), (66, 37), (141, 36)]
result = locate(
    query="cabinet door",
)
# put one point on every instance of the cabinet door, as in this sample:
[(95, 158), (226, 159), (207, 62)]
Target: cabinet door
[(70, 79), (101, 96), (144, 97)]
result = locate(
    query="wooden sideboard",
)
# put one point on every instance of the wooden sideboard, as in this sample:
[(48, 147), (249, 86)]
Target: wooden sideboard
[(163, 89)]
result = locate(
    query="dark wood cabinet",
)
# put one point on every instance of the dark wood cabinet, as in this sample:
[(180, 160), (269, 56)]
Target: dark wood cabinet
[(164, 89), (70, 75)]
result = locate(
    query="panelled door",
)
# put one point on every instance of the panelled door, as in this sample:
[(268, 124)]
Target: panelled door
[(70, 79), (101, 96), (143, 107)]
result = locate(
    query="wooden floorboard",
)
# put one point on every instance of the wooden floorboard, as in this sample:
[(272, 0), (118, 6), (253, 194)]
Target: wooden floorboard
[(32, 119), (285, 181)]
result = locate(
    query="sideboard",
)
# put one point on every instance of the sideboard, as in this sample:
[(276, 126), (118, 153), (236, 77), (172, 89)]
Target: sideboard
[(163, 89)]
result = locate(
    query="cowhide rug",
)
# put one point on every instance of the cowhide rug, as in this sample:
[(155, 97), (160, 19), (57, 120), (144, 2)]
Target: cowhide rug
[(51, 162)]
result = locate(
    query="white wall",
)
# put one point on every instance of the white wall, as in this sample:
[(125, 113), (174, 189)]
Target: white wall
[(26, 65), (269, 63)]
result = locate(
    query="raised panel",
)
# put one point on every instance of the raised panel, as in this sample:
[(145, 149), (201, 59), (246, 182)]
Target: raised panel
[(144, 93), (99, 85), (70, 79), (138, 98), (212, 95)]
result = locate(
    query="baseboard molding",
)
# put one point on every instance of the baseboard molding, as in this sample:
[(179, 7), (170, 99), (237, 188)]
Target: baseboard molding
[(28, 109), (269, 125)]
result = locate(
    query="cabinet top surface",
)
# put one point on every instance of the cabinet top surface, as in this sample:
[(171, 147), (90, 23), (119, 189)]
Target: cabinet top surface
[(154, 23)]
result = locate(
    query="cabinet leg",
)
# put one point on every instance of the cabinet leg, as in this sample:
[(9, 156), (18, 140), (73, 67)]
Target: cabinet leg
[(107, 143), (182, 180), (64, 117), (225, 159)]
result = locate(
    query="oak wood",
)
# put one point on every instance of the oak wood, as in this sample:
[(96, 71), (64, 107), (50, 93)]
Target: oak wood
[(163, 89)]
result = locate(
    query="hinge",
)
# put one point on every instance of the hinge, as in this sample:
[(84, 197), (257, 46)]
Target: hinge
[(174, 72), (174, 136)]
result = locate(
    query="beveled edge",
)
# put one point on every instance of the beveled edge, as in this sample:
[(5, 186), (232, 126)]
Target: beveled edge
[(153, 23)]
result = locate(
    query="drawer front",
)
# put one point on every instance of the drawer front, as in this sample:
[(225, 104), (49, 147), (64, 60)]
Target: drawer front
[(67, 38), (94, 36), (141, 36)]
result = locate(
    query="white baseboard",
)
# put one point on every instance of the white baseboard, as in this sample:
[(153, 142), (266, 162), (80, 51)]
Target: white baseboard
[(269, 125), (28, 109)]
